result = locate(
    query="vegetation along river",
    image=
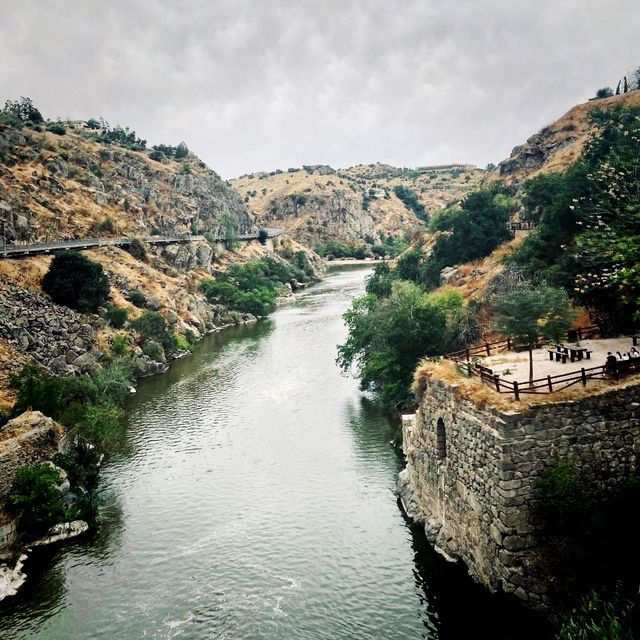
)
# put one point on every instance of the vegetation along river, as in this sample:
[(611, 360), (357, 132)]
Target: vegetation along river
[(252, 497)]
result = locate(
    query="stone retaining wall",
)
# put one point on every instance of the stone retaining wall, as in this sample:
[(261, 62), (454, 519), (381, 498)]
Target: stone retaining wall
[(471, 473)]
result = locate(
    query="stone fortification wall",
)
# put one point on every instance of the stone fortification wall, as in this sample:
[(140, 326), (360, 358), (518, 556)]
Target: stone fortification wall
[(471, 473)]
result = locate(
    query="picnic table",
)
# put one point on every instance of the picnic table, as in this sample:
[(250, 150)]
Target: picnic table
[(634, 337), (573, 353)]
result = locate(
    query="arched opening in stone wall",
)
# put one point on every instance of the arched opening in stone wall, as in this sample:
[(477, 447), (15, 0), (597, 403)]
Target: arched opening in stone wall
[(441, 439)]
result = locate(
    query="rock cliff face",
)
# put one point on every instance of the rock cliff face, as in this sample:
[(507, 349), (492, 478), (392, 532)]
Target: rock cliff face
[(25, 440), (353, 206), (558, 145), (73, 186), (337, 215)]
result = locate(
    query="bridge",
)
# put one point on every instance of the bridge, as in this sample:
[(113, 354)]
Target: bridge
[(22, 250)]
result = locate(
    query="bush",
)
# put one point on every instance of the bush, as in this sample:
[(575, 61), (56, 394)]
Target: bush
[(57, 128), (92, 123), (34, 495), (154, 351), (180, 342), (604, 92), (263, 236), (116, 316), (182, 151), (107, 225), (121, 345), (77, 282), (152, 326), (138, 299)]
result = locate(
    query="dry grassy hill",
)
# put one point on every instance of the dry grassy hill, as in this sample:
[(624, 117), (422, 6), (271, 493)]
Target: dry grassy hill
[(353, 205), (559, 144)]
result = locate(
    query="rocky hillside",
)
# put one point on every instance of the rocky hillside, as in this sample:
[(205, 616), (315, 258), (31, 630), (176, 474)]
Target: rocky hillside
[(354, 205), (559, 144), (72, 185), (67, 182)]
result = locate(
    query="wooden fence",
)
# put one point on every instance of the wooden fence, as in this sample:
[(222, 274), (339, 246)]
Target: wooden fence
[(500, 346), (549, 384)]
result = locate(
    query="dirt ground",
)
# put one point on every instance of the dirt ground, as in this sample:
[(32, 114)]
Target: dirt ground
[(515, 365)]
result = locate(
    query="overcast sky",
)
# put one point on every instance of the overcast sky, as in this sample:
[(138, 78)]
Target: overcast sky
[(265, 84)]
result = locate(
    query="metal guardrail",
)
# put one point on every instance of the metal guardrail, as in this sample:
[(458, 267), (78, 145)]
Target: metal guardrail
[(22, 250)]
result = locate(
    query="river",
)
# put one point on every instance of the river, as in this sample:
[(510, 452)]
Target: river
[(252, 498)]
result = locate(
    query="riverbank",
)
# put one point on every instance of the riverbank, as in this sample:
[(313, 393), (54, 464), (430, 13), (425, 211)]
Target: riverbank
[(253, 497), (354, 262)]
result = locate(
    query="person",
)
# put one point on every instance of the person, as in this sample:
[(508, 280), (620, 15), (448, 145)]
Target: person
[(625, 356), (618, 355), (634, 353), (611, 365)]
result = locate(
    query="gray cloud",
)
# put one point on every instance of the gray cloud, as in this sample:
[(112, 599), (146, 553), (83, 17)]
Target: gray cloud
[(263, 84)]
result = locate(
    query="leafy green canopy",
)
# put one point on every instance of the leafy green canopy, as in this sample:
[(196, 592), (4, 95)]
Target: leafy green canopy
[(411, 200), (35, 496), (588, 238), (389, 335), (77, 282), (252, 287), (88, 405)]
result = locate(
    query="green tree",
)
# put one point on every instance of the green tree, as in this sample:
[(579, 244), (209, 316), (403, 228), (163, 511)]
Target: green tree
[(23, 110), (182, 151), (152, 326), (77, 282), (34, 495), (604, 92), (116, 316), (529, 312), (388, 336), (230, 227)]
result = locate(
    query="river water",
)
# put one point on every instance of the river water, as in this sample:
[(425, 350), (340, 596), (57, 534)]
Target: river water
[(252, 497)]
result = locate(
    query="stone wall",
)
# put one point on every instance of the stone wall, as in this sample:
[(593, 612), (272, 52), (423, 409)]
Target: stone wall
[(57, 337), (471, 473)]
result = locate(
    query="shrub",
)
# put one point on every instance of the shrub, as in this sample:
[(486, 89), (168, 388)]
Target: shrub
[(92, 123), (180, 342), (107, 225), (34, 495), (77, 282), (604, 92), (57, 128), (182, 151), (154, 351), (138, 299), (116, 316), (121, 345), (158, 156), (263, 236), (152, 326)]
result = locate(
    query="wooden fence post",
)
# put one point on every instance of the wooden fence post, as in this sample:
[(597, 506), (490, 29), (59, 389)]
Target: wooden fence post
[(486, 344), (549, 383), (516, 391), (496, 381), (508, 344), (584, 377), (468, 354)]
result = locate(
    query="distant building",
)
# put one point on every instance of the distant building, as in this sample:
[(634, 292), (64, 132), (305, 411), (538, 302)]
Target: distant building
[(441, 168)]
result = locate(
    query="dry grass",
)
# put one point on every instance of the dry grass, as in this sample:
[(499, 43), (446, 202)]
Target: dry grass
[(574, 124)]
